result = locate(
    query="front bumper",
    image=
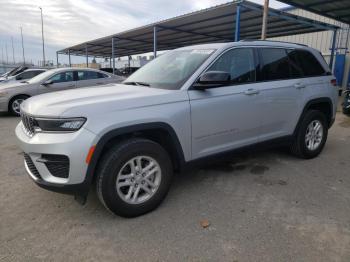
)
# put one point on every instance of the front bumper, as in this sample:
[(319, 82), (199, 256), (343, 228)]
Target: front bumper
[(73, 145)]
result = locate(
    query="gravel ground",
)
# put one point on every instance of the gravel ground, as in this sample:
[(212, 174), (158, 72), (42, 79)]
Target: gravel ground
[(260, 206)]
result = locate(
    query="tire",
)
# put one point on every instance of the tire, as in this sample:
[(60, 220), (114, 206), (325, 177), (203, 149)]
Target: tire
[(300, 147), (14, 104), (117, 164)]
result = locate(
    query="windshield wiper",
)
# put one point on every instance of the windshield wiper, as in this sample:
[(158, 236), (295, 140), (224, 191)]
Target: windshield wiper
[(137, 83), (25, 82)]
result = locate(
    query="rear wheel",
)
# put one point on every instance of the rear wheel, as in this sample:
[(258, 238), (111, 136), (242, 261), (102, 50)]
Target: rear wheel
[(134, 177), (15, 104), (311, 135)]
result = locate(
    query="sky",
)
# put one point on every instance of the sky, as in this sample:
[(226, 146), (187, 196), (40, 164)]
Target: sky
[(69, 22)]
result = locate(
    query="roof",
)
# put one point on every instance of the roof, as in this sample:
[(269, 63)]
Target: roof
[(336, 9), (215, 24), (264, 43)]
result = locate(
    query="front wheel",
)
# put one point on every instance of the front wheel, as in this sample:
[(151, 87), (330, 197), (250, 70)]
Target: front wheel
[(134, 177), (15, 105), (311, 135)]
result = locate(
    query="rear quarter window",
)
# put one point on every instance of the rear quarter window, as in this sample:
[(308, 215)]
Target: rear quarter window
[(309, 63)]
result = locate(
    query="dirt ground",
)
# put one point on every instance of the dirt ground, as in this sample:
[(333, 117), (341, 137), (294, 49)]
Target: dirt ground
[(260, 206)]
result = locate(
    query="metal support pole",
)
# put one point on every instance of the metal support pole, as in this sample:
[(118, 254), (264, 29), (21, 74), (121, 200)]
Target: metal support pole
[(57, 59), (238, 23), (24, 59), (113, 55), (13, 51), (333, 48), (87, 56), (264, 22), (129, 58), (70, 63), (42, 35), (155, 42)]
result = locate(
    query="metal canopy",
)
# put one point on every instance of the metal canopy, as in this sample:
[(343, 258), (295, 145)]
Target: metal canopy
[(335, 9), (223, 23)]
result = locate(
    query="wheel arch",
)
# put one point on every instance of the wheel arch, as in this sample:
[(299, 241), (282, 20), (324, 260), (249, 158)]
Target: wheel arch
[(159, 132), (13, 97), (323, 104)]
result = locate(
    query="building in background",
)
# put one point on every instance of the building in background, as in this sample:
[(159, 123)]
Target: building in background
[(323, 42)]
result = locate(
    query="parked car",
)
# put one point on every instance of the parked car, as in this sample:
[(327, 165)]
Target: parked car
[(13, 72), (13, 94), (187, 105), (25, 75), (127, 71)]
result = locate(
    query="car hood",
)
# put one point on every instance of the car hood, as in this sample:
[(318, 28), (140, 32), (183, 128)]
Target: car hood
[(97, 100)]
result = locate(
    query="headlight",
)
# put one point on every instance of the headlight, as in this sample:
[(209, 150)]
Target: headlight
[(60, 125)]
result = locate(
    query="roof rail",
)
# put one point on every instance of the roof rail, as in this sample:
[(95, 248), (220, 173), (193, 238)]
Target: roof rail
[(274, 41)]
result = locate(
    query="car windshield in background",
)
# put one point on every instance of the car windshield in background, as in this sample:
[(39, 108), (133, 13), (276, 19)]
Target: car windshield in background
[(171, 70)]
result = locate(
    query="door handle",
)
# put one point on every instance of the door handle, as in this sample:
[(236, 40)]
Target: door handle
[(251, 91), (71, 86), (299, 86)]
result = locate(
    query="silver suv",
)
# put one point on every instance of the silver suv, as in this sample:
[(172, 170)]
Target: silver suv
[(189, 104)]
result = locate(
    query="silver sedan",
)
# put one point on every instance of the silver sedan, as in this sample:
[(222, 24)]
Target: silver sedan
[(13, 94)]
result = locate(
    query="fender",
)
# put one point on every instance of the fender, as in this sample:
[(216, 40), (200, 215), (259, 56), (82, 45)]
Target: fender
[(126, 130), (314, 102)]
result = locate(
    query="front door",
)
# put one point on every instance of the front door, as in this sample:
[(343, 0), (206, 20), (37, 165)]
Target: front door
[(228, 117), (60, 81)]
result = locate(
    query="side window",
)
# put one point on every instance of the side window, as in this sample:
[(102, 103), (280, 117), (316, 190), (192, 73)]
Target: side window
[(27, 75), (239, 63), (309, 64), (275, 64), (87, 75), (62, 77), (295, 68), (82, 75), (35, 73), (100, 75)]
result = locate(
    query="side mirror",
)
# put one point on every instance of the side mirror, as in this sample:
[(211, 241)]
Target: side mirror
[(47, 83), (212, 79)]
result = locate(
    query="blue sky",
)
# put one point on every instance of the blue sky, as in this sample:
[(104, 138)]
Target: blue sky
[(69, 22)]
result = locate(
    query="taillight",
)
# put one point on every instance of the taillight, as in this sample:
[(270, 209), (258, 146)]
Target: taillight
[(334, 82)]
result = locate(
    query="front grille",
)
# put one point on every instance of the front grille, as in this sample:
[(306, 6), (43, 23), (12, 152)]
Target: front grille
[(31, 166), (58, 165), (28, 123)]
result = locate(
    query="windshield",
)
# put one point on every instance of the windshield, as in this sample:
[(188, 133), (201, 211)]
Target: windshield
[(171, 70), (40, 77)]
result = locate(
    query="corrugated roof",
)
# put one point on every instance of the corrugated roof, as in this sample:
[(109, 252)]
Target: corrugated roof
[(335, 9), (215, 24)]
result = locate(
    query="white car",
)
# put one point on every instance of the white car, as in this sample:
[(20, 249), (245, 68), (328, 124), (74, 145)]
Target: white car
[(25, 75), (13, 94)]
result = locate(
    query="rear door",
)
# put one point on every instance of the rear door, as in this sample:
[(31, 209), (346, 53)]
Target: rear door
[(87, 78), (227, 117), (282, 88)]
